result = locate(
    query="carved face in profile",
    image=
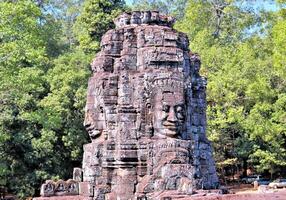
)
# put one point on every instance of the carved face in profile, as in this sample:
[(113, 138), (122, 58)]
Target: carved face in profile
[(95, 118), (169, 114), (95, 122)]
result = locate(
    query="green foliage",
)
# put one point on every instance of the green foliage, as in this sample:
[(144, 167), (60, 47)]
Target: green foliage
[(217, 22), (279, 40), (244, 87), (95, 19), (63, 14), (62, 110), (22, 83), (266, 121), (45, 50), (43, 80)]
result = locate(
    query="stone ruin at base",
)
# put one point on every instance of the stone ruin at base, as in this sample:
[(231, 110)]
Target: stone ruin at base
[(145, 115)]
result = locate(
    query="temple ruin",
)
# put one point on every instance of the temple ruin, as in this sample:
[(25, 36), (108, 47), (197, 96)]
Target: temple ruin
[(145, 115)]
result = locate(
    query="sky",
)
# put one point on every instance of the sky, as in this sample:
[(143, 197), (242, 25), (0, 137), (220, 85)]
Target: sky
[(257, 4), (128, 2), (267, 5)]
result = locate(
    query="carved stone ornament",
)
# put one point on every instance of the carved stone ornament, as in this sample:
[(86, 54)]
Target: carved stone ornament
[(59, 188), (145, 115)]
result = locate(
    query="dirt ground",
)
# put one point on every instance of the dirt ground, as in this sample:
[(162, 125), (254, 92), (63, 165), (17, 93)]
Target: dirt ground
[(247, 192), (242, 192), (277, 195), (240, 188)]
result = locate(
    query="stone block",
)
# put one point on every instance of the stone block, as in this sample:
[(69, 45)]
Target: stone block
[(86, 189), (77, 174)]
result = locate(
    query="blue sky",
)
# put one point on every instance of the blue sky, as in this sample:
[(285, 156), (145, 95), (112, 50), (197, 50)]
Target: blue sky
[(257, 4), (261, 4), (128, 2)]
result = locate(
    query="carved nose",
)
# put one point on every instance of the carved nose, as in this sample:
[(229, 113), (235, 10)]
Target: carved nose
[(86, 125), (86, 122), (172, 115)]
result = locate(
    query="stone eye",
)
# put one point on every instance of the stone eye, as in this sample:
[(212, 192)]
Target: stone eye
[(180, 116), (101, 109), (166, 108), (179, 109), (180, 112)]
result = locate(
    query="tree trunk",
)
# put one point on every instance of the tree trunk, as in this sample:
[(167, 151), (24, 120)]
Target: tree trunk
[(244, 166)]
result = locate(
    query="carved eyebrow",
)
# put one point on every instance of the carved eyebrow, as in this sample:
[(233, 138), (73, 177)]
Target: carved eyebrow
[(180, 104)]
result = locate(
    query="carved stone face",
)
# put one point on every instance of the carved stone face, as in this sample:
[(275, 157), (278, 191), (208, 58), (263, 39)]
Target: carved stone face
[(95, 123), (169, 114)]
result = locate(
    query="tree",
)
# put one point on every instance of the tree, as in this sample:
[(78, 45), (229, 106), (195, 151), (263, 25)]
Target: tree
[(43, 77), (266, 120), (95, 19), (65, 13), (23, 62), (243, 85), (61, 111)]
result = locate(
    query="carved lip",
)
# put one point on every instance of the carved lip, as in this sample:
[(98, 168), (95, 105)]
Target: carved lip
[(170, 126), (92, 130), (95, 132), (89, 128)]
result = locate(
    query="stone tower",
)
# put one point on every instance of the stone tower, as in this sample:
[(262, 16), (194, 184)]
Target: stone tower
[(145, 115)]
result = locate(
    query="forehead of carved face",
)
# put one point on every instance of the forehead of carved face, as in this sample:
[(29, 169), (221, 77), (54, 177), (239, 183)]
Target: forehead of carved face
[(169, 114), (95, 122)]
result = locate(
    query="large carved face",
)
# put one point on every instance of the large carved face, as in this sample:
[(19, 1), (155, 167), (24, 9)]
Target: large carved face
[(95, 122), (95, 111), (169, 114)]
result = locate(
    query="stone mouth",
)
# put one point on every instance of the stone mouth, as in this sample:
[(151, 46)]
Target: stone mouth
[(89, 128), (171, 128)]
